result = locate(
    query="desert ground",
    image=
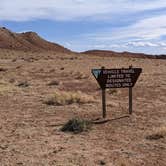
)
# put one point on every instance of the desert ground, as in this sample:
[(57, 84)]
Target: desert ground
[(30, 132)]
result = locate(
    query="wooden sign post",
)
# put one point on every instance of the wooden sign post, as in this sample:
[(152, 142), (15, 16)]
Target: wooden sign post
[(103, 100), (116, 78), (130, 97), (130, 101), (104, 103)]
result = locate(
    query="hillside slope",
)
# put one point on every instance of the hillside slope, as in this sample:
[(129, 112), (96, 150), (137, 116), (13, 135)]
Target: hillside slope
[(122, 54), (31, 41), (28, 41)]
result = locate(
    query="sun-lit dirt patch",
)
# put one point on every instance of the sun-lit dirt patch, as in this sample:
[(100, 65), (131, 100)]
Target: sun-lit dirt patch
[(6, 87)]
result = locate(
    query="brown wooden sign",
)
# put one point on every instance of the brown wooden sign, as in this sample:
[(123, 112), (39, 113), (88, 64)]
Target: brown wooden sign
[(116, 78)]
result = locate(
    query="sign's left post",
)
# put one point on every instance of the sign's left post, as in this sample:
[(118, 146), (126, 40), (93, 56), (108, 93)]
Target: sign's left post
[(104, 103), (103, 98)]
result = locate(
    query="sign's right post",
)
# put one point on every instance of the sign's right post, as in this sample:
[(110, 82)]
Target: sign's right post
[(130, 96), (130, 100)]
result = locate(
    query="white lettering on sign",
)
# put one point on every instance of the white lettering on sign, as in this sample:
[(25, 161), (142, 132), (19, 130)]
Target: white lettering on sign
[(119, 80), (116, 76), (116, 85), (127, 84), (111, 71), (131, 71), (127, 75)]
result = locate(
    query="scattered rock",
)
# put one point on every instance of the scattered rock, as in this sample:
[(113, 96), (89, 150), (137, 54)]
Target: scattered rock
[(12, 80), (50, 102), (154, 137), (23, 84), (3, 147), (18, 67), (19, 163), (54, 82), (28, 59), (14, 60), (102, 162), (52, 71), (2, 69)]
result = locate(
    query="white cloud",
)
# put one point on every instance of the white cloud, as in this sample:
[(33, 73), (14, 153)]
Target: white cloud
[(107, 46), (162, 44), (52, 9), (21, 10), (142, 44), (143, 32), (145, 35), (146, 29), (114, 45), (99, 46)]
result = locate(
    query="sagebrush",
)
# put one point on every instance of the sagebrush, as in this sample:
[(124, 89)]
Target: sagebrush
[(65, 98), (76, 125)]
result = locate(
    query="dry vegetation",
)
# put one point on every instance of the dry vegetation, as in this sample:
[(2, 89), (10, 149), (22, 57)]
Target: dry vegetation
[(157, 133), (65, 98), (76, 126), (6, 87)]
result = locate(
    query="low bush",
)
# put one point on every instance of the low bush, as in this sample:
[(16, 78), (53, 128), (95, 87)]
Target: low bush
[(76, 125)]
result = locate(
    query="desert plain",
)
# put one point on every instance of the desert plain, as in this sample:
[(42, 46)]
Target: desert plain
[(30, 128)]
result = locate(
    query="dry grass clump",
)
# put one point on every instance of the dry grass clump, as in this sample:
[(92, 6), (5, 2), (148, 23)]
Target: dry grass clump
[(66, 98), (112, 91), (157, 133), (76, 125), (79, 75), (5, 87)]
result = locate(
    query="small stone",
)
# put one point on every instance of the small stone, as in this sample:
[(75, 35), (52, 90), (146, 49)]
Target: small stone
[(53, 83), (62, 68), (102, 162), (23, 84), (2, 69)]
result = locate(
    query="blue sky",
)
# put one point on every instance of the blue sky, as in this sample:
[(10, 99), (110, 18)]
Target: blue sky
[(119, 25)]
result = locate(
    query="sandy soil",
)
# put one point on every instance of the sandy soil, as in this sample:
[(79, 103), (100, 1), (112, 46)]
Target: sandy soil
[(30, 130)]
